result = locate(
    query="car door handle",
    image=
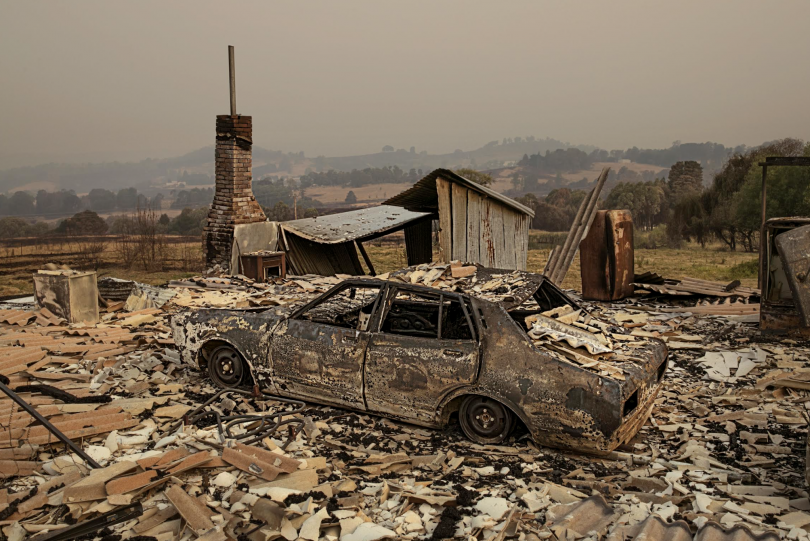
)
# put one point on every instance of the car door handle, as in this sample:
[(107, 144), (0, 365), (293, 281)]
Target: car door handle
[(349, 338), (453, 352)]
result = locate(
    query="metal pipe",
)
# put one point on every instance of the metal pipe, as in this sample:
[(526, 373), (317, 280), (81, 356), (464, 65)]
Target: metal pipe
[(569, 238), (552, 260), (52, 429), (590, 212), (572, 235), (762, 241), (232, 70)]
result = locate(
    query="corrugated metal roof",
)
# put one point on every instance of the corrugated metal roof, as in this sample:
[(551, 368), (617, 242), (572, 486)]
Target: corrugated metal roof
[(594, 515), (423, 196), (359, 224)]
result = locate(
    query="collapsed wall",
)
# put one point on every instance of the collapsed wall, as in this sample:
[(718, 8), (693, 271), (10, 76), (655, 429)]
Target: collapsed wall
[(234, 202)]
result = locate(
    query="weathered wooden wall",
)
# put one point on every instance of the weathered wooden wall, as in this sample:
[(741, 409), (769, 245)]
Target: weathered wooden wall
[(477, 229)]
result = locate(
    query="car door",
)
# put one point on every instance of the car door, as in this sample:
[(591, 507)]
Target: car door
[(794, 250), (425, 348), (318, 353)]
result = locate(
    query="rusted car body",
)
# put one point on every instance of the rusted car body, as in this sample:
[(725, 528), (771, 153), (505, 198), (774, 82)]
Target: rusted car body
[(421, 355), (783, 299)]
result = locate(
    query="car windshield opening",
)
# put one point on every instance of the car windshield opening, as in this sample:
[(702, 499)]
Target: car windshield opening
[(351, 308)]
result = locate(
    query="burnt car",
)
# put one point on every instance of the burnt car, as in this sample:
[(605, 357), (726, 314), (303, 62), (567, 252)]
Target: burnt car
[(425, 356)]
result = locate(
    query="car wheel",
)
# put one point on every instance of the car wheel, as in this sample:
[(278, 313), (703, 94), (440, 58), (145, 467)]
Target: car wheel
[(484, 420), (226, 367)]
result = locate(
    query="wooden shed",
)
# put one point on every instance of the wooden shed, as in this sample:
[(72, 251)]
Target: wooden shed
[(476, 223)]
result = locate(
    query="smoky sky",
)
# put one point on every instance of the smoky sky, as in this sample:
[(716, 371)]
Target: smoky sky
[(130, 80)]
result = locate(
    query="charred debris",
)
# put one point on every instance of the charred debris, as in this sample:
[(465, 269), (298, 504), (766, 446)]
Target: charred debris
[(167, 455)]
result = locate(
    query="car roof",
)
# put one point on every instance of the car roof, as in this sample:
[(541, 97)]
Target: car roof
[(399, 284)]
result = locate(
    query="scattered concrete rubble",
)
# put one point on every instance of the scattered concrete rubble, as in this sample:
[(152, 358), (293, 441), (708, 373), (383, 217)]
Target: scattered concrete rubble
[(720, 458)]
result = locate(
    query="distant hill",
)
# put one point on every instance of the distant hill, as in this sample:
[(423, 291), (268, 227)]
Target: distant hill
[(490, 156), (196, 168)]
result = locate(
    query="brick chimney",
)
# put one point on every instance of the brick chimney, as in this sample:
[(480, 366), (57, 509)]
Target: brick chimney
[(234, 202)]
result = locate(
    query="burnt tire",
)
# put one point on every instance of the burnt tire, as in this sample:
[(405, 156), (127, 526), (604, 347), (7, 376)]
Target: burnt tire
[(226, 368), (484, 420)]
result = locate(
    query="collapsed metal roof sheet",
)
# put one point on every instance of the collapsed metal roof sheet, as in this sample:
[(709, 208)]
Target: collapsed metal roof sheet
[(424, 197), (594, 515), (362, 224)]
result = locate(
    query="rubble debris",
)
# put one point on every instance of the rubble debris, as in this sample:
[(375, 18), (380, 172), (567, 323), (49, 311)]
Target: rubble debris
[(720, 457), (114, 289), (696, 287), (262, 426), (110, 518), (38, 416)]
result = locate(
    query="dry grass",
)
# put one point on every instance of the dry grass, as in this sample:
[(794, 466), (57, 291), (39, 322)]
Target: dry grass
[(711, 263), (17, 264), (365, 194)]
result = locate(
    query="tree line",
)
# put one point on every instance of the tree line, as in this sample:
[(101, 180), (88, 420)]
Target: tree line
[(360, 177), (63, 202), (729, 210), (189, 222), (651, 202)]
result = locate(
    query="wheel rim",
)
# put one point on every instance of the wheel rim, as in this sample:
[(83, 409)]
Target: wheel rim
[(226, 367), (485, 419)]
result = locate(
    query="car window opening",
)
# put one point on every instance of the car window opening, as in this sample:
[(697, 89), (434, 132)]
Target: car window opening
[(414, 314), (350, 308)]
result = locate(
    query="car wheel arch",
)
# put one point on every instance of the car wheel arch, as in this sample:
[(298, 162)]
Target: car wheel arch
[(452, 403), (214, 342)]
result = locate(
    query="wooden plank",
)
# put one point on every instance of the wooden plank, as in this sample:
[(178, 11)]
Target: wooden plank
[(473, 227), (459, 194), (496, 218), (445, 220), (521, 240), (486, 250), (509, 248)]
